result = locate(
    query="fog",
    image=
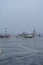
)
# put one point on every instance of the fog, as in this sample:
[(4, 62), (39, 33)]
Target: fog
[(21, 16)]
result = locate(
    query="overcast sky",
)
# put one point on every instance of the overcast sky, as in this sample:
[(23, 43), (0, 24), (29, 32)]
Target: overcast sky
[(21, 15)]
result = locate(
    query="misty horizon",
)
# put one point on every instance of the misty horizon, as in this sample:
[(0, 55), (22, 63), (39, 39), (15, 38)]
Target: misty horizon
[(21, 16)]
